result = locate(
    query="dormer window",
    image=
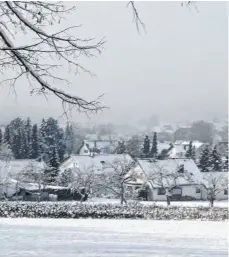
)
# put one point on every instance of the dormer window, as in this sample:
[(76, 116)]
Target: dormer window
[(181, 168)]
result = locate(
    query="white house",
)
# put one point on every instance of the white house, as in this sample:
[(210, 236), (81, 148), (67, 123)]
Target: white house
[(101, 163), (184, 187), (180, 148)]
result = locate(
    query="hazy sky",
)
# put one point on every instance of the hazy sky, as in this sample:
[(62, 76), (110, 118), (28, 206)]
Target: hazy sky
[(178, 69)]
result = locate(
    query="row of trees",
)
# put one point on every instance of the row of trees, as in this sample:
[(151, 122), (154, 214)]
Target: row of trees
[(135, 148), (211, 160), (47, 141)]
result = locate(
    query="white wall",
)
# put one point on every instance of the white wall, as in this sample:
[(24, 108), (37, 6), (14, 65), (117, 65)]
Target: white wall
[(84, 148), (189, 190)]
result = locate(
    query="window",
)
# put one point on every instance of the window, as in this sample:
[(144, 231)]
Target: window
[(197, 190), (226, 192), (85, 151), (102, 162), (181, 168), (161, 191), (177, 191)]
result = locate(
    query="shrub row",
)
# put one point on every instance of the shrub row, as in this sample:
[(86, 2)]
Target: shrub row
[(109, 211)]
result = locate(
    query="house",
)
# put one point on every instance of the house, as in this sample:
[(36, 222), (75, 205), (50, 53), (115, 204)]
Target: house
[(184, 189), (89, 147), (180, 148), (194, 189), (101, 163)]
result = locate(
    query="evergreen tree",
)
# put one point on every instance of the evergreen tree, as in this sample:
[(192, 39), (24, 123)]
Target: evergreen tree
[(69, 139), (34, 143), (1, 137), (61, 146), (28, 136), (146, 146), (205, 163), (42, 140), (154, 151), (189, 152), (226, 164), (194, 153), (23, 148), (215, 160), (7, 137), (51, 174)]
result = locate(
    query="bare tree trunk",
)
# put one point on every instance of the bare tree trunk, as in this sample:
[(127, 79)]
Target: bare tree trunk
[(123, 200), (211, 202), (168, 200)]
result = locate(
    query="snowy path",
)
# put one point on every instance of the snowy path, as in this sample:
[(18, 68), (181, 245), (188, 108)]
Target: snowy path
[(123, 238)]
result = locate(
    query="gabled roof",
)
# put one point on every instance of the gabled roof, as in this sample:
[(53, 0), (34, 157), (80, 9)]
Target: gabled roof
[(171, 165), (97, 161), (14, 167)]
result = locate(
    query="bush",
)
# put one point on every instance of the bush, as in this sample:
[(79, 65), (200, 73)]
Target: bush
[(108, 211)]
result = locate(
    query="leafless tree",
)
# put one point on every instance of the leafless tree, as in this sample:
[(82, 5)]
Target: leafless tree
[(33, 174), (45, 52), (83, 181), (167, 178), (116, 175), (214, 183)]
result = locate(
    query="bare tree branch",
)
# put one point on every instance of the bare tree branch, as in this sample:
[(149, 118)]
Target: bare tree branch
[(60, 47)]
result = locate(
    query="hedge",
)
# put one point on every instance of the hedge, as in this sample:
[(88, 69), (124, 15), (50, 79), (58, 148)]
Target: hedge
[(109, 211)]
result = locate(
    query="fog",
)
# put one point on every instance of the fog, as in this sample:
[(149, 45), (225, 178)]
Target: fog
[(177, 69)]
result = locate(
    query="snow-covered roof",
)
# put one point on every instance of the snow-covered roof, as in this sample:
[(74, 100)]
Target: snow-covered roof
[(172, 165), (14, 167), (32, 186), (180, 147), (98, 161)]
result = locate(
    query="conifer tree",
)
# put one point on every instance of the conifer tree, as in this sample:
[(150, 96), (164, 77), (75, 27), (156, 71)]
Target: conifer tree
[(34, 143), (52, 172), (215, 160), (154, 151), (205, 164), (7, 138), (28, 135), (146, 146), (1, 137)]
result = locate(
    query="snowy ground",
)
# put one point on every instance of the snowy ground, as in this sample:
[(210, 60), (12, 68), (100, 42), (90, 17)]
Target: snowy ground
[(221, 204), (113, 238)]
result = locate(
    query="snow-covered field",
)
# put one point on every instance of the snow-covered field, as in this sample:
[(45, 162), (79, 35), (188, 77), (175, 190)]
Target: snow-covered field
[(221, 204), (113, 238)]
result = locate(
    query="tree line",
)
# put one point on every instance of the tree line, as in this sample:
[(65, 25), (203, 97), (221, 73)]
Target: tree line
[(47, 141), (210, 157)]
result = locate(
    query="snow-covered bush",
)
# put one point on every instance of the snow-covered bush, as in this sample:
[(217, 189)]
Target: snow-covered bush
[(109, 211)]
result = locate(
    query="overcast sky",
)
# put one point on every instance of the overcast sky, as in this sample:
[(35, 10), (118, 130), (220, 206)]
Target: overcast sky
[(178, 69)]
